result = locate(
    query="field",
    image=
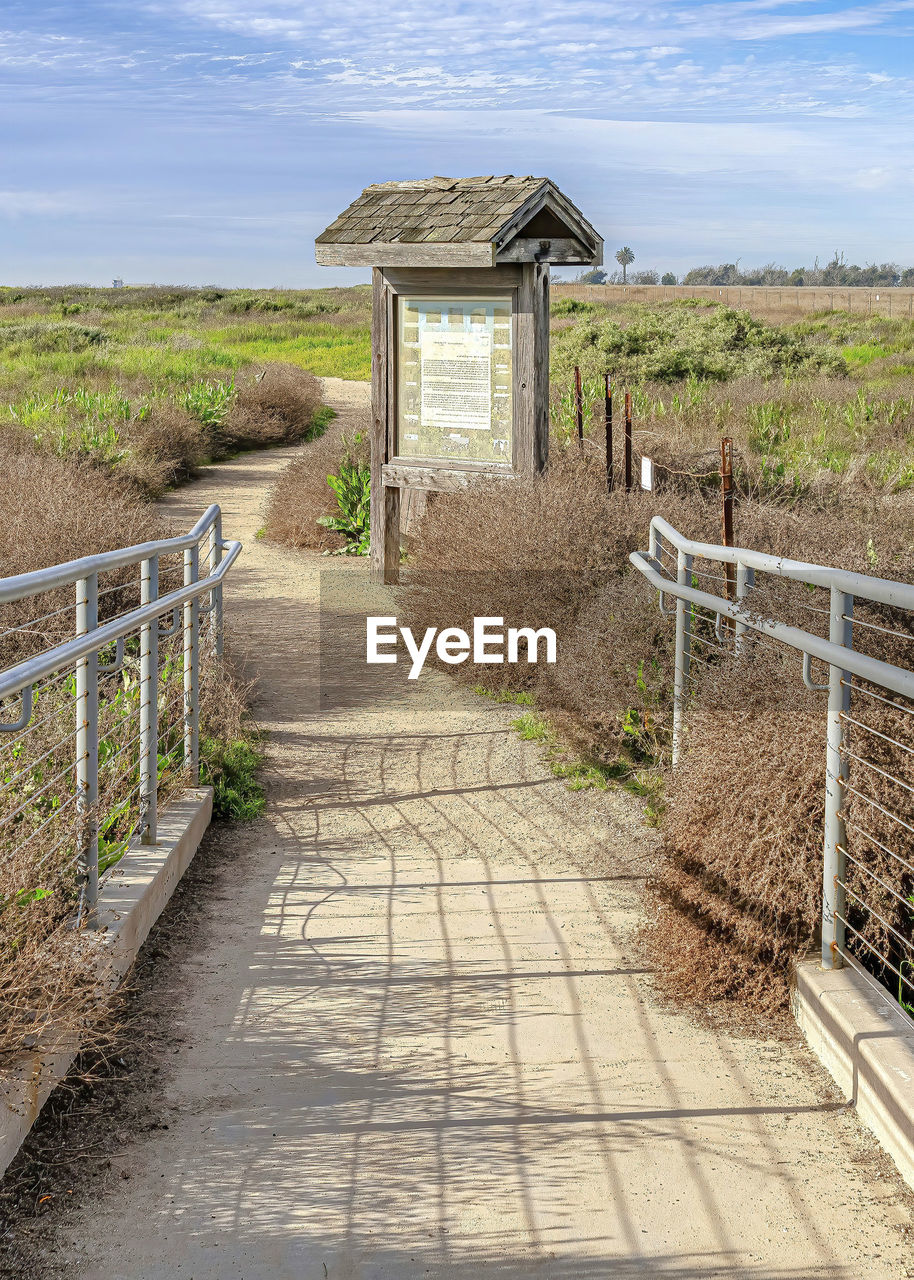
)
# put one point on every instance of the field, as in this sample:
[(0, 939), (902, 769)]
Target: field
[(825, 402), (822, 405), (144, 381)]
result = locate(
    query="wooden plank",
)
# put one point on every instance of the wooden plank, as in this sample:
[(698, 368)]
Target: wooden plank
[(391, 574), (379, 414), (412, 509), (548, 197), (561, 252), (442, 281), (540, 287), (523, 386), (461, 253), (438, 479)]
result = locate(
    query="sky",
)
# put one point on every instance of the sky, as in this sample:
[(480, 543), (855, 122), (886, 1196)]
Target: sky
[(209, 141)]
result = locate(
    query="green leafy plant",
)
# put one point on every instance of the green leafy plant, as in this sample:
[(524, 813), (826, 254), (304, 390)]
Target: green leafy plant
[(209, 402), (230, 768), (352, 486)]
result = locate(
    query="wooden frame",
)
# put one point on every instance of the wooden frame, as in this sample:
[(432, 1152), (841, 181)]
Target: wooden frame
[(527, 283)]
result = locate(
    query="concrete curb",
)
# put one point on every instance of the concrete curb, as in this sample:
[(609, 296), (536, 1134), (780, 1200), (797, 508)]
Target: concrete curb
[(868, 1047), (129, 905)]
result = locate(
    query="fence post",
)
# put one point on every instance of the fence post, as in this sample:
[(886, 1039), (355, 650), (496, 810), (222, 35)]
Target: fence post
[(608, 392), (579, 406), (87, 742), (215, 559), (834, 910), (192, 668), (745, 581), (628, 442), (149, 706), (726, 508), (683, 649)]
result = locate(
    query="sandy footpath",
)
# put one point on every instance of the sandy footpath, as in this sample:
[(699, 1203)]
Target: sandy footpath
[(415, 1038)]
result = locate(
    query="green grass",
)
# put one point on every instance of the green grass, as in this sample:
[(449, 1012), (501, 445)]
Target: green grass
[(163, 340), (322, 349), (583, 775), (830, 395), (521, 698), (864, 353), (230, 768)]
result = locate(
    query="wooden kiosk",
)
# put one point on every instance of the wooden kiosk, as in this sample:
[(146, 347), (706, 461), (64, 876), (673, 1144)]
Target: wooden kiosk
[(460, 330)]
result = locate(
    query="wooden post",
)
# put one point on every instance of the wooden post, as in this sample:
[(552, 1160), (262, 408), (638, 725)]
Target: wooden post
[(539, 277), (379, 412), (391, 573), (726, 509), (608, 415), (531, 368), (578, 406), (628, 442)]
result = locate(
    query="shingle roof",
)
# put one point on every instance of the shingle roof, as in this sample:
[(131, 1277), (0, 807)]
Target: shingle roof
[(432, 209), (460, 222)]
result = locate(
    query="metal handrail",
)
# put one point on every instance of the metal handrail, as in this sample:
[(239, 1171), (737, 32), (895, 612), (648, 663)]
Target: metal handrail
[(880, 590), (23, 585), (837, 652), (806, 642), (31, 670), (80, 655)]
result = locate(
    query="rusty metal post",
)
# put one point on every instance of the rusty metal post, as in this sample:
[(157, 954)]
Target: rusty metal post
[(608, 392), (726, 512), (628, 442), (579, 406)]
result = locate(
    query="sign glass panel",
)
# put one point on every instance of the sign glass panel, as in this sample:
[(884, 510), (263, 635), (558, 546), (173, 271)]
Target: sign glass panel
[(455, 368)]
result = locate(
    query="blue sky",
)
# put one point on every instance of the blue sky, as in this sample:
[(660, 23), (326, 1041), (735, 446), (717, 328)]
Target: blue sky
[(208, 141)]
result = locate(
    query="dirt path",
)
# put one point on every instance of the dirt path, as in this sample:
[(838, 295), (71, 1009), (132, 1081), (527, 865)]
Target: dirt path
[(413, 1039)]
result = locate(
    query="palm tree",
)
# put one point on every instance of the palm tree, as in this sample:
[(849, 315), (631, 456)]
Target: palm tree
[(625, 258)]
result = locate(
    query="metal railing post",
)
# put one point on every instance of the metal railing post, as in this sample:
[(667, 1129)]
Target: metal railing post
[(192, 668), (87, 743), (840, 631), (745, 581), (215, 558), (683, 649), (149, 706)]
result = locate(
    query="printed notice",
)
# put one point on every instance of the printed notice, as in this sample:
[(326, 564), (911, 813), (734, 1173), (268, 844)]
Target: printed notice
[(456, 380), (455, 368)]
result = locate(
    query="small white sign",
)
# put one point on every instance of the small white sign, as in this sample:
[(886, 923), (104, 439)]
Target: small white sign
[(647, 474)]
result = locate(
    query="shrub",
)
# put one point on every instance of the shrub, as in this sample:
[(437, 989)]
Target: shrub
[(352, 487), (302, 499), (42, 338), (678, 340), (167, 446), (553, 551), (277, 406)]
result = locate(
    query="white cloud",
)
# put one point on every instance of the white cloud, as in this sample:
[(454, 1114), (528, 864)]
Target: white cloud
[(837, 157), (19, 204)]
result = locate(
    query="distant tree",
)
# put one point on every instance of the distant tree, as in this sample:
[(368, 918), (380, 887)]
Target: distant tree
[(625, 258), (837, 273), (726, 273), (646, 277), (668, 278), (595, 276)]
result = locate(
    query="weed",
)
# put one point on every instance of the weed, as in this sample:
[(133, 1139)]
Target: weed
[(533, 728), (230, 768), (352, 488), (209, 402)]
